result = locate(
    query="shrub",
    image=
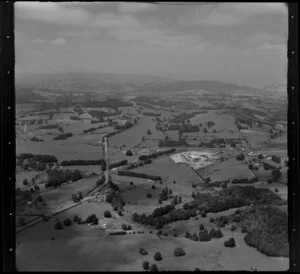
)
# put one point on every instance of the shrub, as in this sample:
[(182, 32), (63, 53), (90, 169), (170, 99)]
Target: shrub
[(58, 226), (143, 251), (188, 235), (212, 220), (201, 227), (149, 195), (197, 269), (195, 237), (129, 153), (218, 233), (107, 214), (244, 229), (153, 187), (154, 268), (276, 159), (204, 236), (240, 157), (91, 218), (67, 222), (178, 252), (276, 189), (157, 256), (146, 265), (230, 242)]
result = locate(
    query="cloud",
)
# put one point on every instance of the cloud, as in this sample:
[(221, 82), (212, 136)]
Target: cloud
[(228, 14), (38, 41), (135, 7), (59, 41), (51, 12)]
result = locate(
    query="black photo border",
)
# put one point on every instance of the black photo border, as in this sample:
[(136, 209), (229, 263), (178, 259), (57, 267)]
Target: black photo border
[(8, 143)]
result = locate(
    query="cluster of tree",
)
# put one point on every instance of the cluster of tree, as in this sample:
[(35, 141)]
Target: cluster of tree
[(117, 233), (230, 242), (138, 164), (159, 221), (92, 219), (84, 163), (245, 181), (36, 139), (48, 126), (98, 114), (77, 197), (138, 175), (151, 114), (276, 159), (162, 210), (178, 252), (57, 177), (172, 143), (222, 184), (156, 154), (210, 124), (276, 175), (78, 109), (266, 229), (107, 214), (233, 197), (89, 130), (117, 164), (165, 195), (37, 158), (126, 227), (76, 118), (63, 136), (108, 103), (78, 220), (127, 125), (183, 117), (240, 157), (26, 195), (268, 166), (100, 181)]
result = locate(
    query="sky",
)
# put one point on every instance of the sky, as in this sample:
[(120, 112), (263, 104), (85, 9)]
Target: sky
[(242, 43)]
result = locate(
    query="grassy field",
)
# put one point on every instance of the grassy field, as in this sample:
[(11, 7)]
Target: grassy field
[(81, 248), (231, 168), (182, 174), (133, 136)]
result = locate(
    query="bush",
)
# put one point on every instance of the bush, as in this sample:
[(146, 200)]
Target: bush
[(276, 189), (276, 159), (107, 214), (129, 153), (58, 226), (146, 265), (178, 252), (204, 236), (154, 268), (157, 256), (240, 157), (143, 251), (201, 227), (233, 228), (230, 242), (149, 195), (153, 187), (188, 235), (67, 222), (195, 237)]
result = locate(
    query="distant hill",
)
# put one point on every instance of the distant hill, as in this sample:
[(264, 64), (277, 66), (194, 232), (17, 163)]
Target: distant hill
[(109, 82), (213, 86)]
